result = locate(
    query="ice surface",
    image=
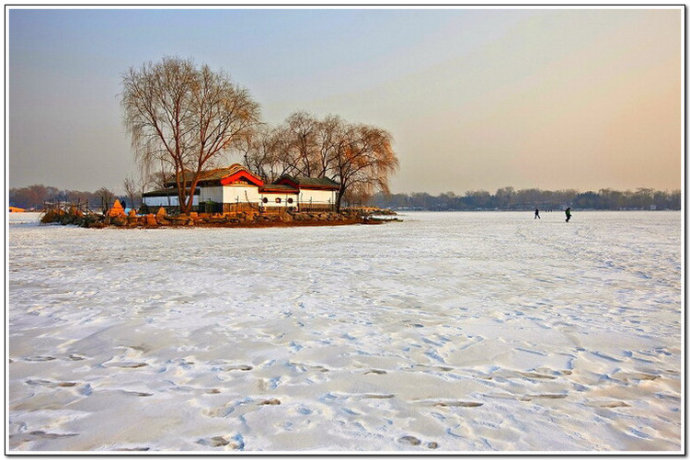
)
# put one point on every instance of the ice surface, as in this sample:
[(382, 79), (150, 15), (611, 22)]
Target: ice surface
[(447, 332)]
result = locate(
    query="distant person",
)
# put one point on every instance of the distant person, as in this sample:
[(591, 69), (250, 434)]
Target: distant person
[(536, 214), (567, 214)]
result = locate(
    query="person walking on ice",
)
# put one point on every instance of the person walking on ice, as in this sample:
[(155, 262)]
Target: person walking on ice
[(567, 214), (536, 214)]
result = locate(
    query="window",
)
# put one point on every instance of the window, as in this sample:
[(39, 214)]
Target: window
[(265, 200), (290, 200), (278, 200)]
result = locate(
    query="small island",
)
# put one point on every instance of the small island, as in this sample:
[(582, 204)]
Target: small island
[(228, 197), (116, 217)]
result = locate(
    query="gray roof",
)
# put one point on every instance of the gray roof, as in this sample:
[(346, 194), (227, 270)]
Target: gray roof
[(278, 188), (166, 192), (309, 182)]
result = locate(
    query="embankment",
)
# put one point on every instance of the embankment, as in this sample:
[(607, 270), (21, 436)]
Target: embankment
[(242, 219)]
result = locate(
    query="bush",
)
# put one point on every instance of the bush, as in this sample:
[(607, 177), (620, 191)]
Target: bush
[(51, 216)]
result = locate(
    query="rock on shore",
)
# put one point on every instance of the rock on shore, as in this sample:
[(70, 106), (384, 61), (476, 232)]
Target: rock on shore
[(161, 218)]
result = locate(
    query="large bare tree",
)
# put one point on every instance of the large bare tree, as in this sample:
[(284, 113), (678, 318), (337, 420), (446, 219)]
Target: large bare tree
[(186, 117)]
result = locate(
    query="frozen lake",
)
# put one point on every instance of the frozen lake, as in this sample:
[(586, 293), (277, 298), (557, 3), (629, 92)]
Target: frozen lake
[(447, 332)]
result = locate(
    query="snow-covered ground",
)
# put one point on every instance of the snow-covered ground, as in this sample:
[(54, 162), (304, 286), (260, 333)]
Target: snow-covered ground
[(447, 332)]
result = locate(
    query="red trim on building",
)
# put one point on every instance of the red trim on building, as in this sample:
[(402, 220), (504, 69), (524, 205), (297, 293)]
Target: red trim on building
[(318, 187), (242, 175), (276, 190)]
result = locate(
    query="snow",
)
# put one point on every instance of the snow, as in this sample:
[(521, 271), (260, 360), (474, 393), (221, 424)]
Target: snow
[(448, 332)]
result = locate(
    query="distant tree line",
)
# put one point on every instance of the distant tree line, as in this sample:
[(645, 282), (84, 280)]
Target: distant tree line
[(35, 196), (508, 198)]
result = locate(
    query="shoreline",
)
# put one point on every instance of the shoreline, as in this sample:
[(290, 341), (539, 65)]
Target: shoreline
[(161, 219), (258, 224)]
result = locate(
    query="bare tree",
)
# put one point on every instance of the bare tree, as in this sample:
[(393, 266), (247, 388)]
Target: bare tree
[(261, 152), (328, 138), (301, 131), (359, 157), (364, 160), (131, 190), (186, 117), (156, 179), (106, 198)]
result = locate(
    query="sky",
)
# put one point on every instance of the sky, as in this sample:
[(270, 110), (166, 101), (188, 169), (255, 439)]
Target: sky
[(475, 98)]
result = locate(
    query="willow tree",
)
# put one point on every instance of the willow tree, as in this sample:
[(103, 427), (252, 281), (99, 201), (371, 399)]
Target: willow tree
[(363, 162), (359, 157), (186, 117), (261, 152)]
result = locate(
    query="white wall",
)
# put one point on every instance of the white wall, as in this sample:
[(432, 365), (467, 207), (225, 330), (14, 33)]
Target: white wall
[(157, 201), (317, 196), (241, 194), (283, 200), (249, 193)]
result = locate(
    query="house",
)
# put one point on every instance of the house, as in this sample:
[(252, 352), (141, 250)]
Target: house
[(166, 198), (314, 193), (218, 190), (235, 188), (279, 196)]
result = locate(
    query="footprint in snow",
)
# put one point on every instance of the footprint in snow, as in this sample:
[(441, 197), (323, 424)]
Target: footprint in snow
[(141, 394), (458, 404), (234, 442), (379, 396), (636, 376), (411, 440), (304, 411), (543, 396), (21, 438), (535, 375), (613, 404), (125, 364), (48, 383), (217, 441), (240, 367), (39, 358)]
